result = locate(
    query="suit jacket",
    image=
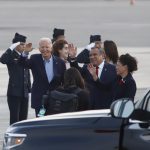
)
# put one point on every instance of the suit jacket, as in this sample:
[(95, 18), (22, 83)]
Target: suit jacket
[(83, 96), (101, 90), (19, 77), (125, 88), (83, 57), (41, 84)]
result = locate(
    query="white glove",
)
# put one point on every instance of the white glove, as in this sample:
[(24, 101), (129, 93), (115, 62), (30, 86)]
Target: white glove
[(91, 45), (14, 45)]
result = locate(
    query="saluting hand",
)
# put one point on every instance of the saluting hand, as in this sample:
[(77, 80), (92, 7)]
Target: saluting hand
[(14, 45)]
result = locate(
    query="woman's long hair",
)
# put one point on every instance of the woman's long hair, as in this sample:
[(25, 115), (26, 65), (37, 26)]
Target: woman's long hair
[(72, 77), (111, 51)]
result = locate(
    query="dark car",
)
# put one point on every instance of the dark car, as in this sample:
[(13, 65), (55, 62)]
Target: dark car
[(122, 127)]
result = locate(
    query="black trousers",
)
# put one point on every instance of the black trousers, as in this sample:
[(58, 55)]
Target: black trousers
[(37, 111), (18, 107)]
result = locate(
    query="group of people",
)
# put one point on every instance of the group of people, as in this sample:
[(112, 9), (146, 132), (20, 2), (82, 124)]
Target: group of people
[(104, 76)]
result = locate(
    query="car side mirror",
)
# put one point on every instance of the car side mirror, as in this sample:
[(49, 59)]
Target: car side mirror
[(122, 108)]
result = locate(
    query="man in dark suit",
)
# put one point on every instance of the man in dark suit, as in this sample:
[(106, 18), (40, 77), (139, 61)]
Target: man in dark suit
[(47, 71), (19, 80), (99, 77)]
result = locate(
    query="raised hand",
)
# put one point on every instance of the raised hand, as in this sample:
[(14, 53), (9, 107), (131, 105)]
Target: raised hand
[(72, 50), (92, 71), (91, 45), (14, 45)]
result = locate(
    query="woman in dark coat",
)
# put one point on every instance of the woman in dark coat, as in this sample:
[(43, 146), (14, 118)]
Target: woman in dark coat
[(125, 86), (71, 97), (73, 82)]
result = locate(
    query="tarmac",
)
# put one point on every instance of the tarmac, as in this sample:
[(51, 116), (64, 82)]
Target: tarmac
[(128, 26)]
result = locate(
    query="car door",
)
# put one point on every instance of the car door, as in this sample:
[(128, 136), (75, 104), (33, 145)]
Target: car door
[(101, 133), (137, 136), (106, 133), (137, 133)]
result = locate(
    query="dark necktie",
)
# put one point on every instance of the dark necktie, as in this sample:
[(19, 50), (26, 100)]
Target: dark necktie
[(97, 70)]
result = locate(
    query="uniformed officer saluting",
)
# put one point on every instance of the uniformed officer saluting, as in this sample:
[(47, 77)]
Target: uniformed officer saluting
[(19, 80)]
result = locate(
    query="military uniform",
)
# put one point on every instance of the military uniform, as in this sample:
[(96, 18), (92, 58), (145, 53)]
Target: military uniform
[(18, 87)]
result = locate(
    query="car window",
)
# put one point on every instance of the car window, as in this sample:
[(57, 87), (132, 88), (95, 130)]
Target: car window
[(144, 103), (142, 108)]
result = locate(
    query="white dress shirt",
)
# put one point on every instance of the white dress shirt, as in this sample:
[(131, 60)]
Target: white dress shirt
[(100, 68)]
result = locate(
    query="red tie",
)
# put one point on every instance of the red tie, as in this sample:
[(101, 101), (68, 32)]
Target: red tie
[(97, 70)]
